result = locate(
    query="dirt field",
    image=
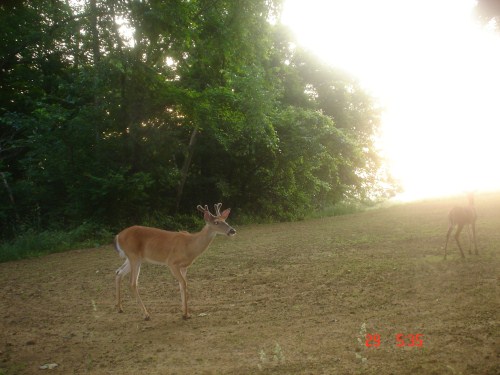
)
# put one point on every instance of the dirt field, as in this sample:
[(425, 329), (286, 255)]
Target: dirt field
[(290, 298)]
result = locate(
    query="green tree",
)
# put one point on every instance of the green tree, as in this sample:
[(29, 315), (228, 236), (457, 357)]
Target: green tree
[(119, 112)]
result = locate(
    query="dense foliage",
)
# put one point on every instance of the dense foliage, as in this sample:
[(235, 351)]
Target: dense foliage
[(117, 112)]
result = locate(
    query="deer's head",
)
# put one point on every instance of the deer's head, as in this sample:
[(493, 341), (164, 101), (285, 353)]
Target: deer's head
[(217, 222)]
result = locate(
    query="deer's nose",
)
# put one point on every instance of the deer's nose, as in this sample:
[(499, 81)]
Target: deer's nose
[(231, 232)]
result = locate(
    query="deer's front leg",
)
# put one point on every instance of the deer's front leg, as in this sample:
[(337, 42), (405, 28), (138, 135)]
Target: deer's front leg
[(469, 238), (180, 274), (450, 229)]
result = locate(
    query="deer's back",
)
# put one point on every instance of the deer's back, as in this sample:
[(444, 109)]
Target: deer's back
[(151, 244)]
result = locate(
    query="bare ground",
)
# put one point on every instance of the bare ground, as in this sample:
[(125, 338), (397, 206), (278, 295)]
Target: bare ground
[(289, 298)]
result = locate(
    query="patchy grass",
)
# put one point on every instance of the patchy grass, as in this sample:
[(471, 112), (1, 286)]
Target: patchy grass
[(34, 244), (276, 299)]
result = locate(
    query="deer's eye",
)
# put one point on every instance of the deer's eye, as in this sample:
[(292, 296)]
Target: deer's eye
[(216, 222)]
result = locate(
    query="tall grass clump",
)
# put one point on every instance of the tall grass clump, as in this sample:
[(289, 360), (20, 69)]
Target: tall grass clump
[(33, 244)]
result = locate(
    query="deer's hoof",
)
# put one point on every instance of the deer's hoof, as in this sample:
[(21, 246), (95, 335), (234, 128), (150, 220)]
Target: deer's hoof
[(186, 316), (147, 317)]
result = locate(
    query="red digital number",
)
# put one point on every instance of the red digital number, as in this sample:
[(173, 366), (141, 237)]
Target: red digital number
[(399, 340), (372, 341), (419, 340), (412, 340)]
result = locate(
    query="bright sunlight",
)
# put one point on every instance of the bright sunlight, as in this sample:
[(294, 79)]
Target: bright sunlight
[(435, 72)]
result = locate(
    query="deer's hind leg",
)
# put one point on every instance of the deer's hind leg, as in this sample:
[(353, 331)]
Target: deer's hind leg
[(134, 280), (457, 238), (120, 273)]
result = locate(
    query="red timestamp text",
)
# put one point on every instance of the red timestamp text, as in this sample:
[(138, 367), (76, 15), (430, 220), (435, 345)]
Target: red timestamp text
[(402, 340)]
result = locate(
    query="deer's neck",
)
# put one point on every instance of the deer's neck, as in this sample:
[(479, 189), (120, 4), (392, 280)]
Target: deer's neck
[(200, 241)]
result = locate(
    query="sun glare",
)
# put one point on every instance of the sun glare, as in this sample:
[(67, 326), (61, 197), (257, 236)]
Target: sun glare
[(435, 71)]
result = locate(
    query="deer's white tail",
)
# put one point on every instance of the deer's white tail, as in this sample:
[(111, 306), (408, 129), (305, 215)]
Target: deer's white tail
[(118, 249)]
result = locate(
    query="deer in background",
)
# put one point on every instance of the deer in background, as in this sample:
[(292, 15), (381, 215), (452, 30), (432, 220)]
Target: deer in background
[(460, 216), (177, 250)]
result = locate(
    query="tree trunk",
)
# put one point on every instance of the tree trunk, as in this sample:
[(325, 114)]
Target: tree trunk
[(95, 32), (11, 195), (185, 168), (96, 52)]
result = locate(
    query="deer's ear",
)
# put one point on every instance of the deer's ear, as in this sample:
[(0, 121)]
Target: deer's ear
[(225, 213), (207, 216)]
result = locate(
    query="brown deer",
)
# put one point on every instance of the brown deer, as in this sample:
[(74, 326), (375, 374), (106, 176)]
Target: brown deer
[(460, 216), (177, 250)]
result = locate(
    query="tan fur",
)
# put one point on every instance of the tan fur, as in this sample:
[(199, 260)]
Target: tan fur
[(177, 250)]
